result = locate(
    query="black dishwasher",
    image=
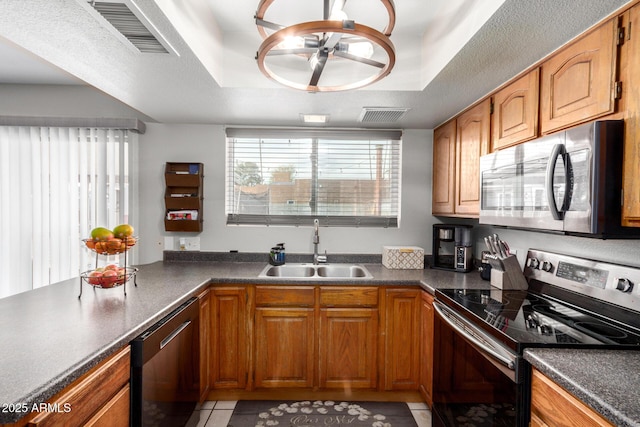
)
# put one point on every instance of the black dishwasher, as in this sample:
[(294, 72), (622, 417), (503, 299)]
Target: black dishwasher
[(165, 370)]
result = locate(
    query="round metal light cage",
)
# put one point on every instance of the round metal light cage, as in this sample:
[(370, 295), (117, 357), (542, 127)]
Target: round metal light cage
[(264, 5), (325, 26)]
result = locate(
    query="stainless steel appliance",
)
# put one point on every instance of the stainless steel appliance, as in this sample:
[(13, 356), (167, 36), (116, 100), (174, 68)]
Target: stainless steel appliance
[(481, 335), (570, 182), (165, 370), (452, 247)]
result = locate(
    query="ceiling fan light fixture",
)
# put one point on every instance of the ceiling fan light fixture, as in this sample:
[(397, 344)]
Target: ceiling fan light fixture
[(342, 54)]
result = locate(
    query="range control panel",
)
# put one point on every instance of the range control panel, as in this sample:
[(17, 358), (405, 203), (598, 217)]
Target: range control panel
[(613, 283)]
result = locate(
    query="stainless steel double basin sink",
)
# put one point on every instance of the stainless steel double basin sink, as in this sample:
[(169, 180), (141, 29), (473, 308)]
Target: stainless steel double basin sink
[(314, 272)]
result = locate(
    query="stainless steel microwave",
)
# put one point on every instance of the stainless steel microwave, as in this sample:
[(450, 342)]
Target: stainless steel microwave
[(569, 182)]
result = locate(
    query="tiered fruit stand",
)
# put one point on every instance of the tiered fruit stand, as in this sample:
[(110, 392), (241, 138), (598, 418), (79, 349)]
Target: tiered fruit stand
[(110, 247)]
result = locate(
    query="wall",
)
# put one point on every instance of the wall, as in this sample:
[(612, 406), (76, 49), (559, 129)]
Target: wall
[(206, 144)]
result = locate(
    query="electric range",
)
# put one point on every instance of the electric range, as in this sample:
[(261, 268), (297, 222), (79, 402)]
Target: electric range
[(570, 302)]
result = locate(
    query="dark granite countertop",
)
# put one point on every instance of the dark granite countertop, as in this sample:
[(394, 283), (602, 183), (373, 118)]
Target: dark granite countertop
[(50, 337), (605, 380)]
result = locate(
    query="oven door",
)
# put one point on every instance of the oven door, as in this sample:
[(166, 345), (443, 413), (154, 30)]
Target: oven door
[(477, 380)]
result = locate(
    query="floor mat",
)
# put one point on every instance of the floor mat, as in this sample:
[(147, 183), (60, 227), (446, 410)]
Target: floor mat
[(263, 413)]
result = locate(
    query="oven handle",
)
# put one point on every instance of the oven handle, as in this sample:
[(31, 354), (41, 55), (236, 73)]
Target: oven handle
[(483, 341)]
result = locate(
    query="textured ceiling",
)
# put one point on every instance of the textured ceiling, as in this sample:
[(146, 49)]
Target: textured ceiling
[(450, 54)]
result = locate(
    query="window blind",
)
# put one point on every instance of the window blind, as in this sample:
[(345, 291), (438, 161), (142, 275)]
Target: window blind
[(56, 184), (292, 176)]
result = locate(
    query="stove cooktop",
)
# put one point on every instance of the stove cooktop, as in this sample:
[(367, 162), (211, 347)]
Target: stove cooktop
[(572, 303)]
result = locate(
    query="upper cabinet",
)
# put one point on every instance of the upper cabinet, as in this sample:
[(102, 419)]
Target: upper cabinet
[(515, 112), (579, 82), (444, 163), (457, 147), (472, 141), (631, 162)]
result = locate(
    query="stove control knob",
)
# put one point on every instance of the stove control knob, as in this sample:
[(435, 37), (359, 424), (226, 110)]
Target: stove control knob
[(546, 266), (624, 285), (533, 263)]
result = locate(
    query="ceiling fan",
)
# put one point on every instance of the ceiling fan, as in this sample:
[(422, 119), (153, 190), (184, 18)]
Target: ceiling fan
[(321, 42)]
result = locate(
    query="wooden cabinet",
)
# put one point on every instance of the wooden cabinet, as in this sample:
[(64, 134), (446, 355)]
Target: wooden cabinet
[(285, 330), (402, 335), (99, 398), (444, 163), (348, 342), (205, 343), (553, 406), (229, 345), (472, 141), (183, 196), (578, 82), (515, 112), (426, 347), (631, 162)]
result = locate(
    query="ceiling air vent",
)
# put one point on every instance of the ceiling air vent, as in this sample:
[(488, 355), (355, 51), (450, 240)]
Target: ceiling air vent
[(381, 114), (130, 23)]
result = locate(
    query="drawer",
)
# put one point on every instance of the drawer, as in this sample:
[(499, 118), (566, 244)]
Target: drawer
[(285, 296), (348, 296), (89, 394)]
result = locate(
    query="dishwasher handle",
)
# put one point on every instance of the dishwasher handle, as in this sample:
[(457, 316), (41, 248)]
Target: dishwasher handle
[(174, 334), (476, 337)]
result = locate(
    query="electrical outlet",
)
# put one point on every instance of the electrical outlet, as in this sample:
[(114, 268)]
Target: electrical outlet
[(192, 243)]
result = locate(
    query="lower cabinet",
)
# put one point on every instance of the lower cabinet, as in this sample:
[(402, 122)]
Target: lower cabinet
[(402, 332), (284, 344), (348, 342), (318, 337), (229, 345), (553, 406), (205, 343), (100, 398), (426, 347)]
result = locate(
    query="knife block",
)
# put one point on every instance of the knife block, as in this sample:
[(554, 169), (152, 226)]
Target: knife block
[(510, 276)]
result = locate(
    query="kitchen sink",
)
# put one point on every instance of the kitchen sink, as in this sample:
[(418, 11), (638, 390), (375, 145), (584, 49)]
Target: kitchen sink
[(310, 271)]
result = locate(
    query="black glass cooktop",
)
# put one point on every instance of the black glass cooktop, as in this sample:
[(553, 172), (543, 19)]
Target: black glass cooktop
[(527, 319)]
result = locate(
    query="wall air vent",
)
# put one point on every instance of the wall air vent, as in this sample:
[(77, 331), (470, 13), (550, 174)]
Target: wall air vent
[(129, 22), (381, 114)]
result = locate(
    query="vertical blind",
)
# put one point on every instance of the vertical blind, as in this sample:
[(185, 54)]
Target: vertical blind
[(290, 177), (56, 184)]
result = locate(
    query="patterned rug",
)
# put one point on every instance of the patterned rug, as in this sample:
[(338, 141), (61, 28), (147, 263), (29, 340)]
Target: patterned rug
[(263, 413)]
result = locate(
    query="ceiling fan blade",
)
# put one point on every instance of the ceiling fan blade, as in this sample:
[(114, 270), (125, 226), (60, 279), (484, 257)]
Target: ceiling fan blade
[(317, 71), (359, 59)]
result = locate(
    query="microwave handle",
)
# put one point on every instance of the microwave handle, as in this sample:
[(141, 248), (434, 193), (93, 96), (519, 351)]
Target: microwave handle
[(558, 214)]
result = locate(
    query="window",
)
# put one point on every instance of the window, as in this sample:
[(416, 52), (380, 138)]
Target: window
[(290, 177), (56, 184)]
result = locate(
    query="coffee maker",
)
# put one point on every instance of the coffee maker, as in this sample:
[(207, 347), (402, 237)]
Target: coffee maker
[(452, 247)]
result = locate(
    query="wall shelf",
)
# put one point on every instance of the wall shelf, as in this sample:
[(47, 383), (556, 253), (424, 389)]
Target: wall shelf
[(183, 196)]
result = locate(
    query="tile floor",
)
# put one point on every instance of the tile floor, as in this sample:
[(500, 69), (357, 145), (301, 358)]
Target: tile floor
[(218, 413)]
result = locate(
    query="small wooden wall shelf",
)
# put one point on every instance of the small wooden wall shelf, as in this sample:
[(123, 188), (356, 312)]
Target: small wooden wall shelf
[(183, 194)]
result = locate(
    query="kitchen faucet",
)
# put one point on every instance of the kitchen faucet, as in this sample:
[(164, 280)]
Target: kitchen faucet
[(316, 239)]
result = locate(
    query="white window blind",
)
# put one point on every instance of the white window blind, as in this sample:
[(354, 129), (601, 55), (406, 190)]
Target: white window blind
[(292, 176), (56, 184)]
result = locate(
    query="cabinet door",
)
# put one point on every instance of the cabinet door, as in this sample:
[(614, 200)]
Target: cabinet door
[(515, 112), (444, 163), (284, 347), (577, 82), (426, 348), (472, 141), (205, 342), (348, 346), (229, 346), (402, 334), (552, 405), (631, 177)]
